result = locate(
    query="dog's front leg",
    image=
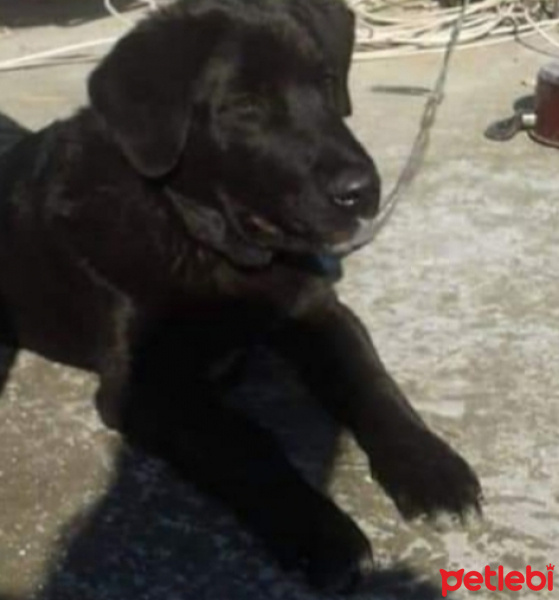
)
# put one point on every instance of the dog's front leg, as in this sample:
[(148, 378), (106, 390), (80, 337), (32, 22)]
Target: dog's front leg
[(168, 408), (335, 356)]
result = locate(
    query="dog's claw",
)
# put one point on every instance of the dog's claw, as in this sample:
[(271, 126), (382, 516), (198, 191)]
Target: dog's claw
[(426, 477)]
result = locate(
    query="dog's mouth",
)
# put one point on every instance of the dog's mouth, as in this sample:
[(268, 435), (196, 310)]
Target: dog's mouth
[(256, 229), (260, 229), (256, 239)]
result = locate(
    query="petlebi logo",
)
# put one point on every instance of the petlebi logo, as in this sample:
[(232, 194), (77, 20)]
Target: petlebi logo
[(515, 581)]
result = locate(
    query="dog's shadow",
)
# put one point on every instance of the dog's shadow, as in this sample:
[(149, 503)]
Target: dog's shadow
[(153, 537)]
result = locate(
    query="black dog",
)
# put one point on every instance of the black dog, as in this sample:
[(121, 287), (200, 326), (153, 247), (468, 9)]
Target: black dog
[(198, 208)]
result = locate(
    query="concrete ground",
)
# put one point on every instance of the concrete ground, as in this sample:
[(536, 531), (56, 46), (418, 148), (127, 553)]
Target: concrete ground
[(460, 292)]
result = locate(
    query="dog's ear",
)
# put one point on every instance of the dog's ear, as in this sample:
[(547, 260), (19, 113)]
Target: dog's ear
[(143, 89)]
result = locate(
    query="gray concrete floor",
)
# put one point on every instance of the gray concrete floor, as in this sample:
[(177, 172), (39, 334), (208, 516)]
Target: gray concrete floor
[(460, 292)]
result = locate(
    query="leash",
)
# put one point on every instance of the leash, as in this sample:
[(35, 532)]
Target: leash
[(419, 147)]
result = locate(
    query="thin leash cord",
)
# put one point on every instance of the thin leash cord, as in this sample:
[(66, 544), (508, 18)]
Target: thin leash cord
[(422, 139)]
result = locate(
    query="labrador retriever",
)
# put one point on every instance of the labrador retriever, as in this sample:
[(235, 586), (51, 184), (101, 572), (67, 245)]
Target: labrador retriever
[(200, 206)]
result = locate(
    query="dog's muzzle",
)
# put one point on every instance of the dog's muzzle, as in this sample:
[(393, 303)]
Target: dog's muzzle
[(209, 226)]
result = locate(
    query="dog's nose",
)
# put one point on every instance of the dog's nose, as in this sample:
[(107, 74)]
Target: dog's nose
[(357, 191)]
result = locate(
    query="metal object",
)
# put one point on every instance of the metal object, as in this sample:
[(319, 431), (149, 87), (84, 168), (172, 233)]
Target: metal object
[(504, 130), (546, 128), (542, 121)]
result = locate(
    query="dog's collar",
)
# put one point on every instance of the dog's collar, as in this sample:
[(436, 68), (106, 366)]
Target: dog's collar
[(324, 265)]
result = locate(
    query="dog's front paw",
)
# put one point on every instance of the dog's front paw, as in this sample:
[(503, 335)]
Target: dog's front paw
[(425, 476), (339, 557), (326, 545)]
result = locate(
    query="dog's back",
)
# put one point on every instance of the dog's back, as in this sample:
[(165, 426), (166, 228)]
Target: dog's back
[(43, 287)]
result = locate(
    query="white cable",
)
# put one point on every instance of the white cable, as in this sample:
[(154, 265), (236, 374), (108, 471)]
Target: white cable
[(110, 8), (14, 63), (152, 4), (432, 21), (539, 28), (385, 29), (502, 34), (401, 53), (53, 53)]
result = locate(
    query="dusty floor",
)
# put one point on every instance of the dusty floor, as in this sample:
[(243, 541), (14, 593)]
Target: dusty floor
[(460, 292)]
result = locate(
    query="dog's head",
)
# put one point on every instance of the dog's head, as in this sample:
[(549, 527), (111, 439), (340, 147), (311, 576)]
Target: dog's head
[(236, 108)]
